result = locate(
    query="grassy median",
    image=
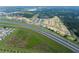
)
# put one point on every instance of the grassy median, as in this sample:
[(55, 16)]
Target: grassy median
[(26, 40)]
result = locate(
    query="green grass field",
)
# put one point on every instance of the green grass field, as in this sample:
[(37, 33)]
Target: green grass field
[(25, 40)]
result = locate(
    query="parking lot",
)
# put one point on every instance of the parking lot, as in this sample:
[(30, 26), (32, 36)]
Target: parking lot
[(4, 32)]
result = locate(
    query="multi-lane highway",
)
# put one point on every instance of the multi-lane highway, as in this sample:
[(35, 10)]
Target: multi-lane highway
[(45, 32)]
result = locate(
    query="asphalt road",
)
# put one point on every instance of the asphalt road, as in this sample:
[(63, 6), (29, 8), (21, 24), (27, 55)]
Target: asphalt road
[(47, 33)]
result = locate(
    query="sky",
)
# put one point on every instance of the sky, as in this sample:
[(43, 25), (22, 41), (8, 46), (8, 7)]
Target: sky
[(39, 2)]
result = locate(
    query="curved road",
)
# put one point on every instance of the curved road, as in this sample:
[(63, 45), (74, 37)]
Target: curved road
[(45, 32)]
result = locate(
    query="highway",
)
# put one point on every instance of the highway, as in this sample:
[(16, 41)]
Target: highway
[(67, 44), (47, 33)]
